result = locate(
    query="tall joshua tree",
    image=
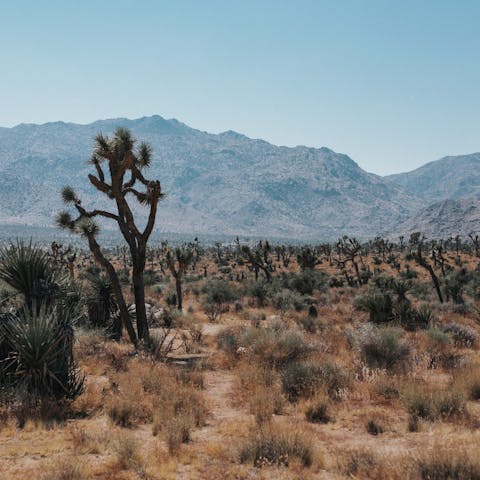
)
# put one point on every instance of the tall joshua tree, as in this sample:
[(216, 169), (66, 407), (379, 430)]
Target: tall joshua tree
[(124, 166)]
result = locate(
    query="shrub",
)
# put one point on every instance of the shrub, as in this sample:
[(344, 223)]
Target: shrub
[(462, 335), (276, 347), (276, 446), (422, 317), (431, 405), (177, 431), (317, 411), (446, 464), (228, 340), (302, 379), (374, 427), (359, 463), (65, 469), (259, 290), (40, 362), (438, 339), (218, 294), (128, 452), (306, 281), (30, 271), (123, 412), (309, 323), (378, 305), (448, 404), (264, 403), (383, 348), (284, 300)]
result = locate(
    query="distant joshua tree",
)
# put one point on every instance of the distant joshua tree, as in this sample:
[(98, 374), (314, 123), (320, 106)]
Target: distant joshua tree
[(125, 166), (177, 262)]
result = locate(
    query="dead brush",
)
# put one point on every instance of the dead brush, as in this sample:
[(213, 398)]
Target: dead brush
[(177, 431), (181, 402), (445, 462), (277, 446), (85, 442), (318, 410), (127, 452), (66, 468), (264, 403)]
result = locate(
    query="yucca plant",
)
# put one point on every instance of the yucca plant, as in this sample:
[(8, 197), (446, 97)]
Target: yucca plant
[(30, 271), (102, 306), (378, 305), (40, 360)]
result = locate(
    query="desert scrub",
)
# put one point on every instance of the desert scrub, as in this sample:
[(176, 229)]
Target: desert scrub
[(425, 403), (127, 452), (264, 403), (378, 305), (65, 468), (375, 426), (382, 347), (303, 379), (462, 335), (318, 410), (468, 381), (147, 393), (277, 446), (443, 463), (357, 463), (275, 346)]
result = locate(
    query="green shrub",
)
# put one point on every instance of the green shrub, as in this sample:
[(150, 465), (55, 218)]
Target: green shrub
[(303, 379), (218, 294), (275, 347), (40, 360), (307, 281), (378, 305), (383, 348)]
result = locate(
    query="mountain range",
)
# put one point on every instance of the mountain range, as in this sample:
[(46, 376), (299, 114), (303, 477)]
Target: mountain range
[(229, 184)]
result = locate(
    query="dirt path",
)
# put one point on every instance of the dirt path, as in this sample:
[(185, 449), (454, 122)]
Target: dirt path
[(218, 389)]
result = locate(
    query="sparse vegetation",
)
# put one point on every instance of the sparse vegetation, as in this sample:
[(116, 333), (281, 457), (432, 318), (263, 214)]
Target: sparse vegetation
[(256, 358)]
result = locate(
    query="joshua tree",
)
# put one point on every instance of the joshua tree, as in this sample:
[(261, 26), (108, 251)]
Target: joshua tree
[(177, 262), (351, 249), (417, 244), (122, 161), (259, 259), (308, 258), (476, 243)]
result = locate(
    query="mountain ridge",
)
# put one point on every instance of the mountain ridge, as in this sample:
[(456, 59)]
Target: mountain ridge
[(225, 182)]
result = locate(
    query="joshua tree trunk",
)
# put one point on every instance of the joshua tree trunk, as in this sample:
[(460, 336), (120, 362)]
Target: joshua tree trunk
[(124, 317), (178, 287), (122, 161)]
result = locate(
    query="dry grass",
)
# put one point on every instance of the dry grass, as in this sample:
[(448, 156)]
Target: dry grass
[(404, 408)]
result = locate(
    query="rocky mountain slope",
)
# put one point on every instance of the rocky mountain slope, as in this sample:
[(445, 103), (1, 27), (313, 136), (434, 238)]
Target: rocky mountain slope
[(444, 219), (224, 184), (448, 178)]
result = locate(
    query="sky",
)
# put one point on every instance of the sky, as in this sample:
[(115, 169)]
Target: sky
[(393, 84)]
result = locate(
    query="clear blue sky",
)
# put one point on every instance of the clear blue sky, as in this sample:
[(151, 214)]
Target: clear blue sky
[(393, 84)]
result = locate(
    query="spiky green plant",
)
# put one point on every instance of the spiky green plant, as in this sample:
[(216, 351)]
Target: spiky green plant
[(102, 306), (40, 361), (30, 271)]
